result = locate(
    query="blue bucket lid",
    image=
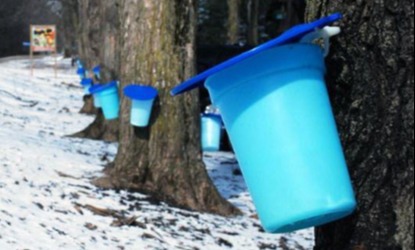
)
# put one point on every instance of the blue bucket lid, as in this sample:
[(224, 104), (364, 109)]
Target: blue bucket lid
[(102, 87), (96, 69), (140, 92), (292, 35), (86, 81), (93, 88), (80, 71)]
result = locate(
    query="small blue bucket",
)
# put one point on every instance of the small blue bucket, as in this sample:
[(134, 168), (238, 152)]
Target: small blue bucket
[(278, 115), (97, 71), (95, 96), (86, 84), (81, 73), (108, 99), (211, 132), (142, 103), (79, 64)]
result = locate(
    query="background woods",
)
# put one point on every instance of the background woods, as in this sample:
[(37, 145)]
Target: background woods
[(17, 15)]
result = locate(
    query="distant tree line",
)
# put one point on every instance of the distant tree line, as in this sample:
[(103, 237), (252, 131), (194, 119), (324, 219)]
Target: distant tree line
[(16, 17), (246, 22)]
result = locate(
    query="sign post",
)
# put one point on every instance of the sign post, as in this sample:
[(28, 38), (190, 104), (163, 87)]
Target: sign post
[(42, 39)]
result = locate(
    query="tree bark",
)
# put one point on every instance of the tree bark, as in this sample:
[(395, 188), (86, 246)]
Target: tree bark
[(70, 22), (233, 21), (371, 81), (165, 159), (253, 19), (89, 34)]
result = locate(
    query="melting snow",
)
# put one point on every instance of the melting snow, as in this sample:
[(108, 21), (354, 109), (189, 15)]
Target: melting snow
[(47, 201)]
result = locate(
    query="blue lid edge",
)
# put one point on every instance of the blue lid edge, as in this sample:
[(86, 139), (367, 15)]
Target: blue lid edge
[(140, 92), (290, 35), (103, 87)]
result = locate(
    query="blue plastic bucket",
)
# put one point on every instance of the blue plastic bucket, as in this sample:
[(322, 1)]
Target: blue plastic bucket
[(142, 103), (81, 73), (95, 96), (211, 132), (97, 71), (86, 84), (277, 112), (108, 99)]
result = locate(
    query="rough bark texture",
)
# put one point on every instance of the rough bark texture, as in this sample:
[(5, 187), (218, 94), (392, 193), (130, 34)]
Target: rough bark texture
[(164, 159), (99, 44), (371, 80), (253, 19), (70, 23), (88, 107), (233, 21)]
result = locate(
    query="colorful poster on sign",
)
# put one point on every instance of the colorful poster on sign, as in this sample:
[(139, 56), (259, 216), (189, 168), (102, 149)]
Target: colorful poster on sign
[(43, 38)]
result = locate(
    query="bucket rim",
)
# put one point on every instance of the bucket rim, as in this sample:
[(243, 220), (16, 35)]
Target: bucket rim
[(80, 71), (96, 69), (285, 69), (86, 81), (140, 92), (94, 87), (103, 87)]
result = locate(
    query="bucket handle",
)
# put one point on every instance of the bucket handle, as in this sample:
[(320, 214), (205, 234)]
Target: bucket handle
[(325, 34)]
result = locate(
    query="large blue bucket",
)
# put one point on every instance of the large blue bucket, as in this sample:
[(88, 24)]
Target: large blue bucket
[(108, 99), (211, 132), (276, 109), (142, 103)]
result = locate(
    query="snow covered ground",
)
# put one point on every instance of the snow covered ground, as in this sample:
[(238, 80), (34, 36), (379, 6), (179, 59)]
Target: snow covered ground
[(47, 201)]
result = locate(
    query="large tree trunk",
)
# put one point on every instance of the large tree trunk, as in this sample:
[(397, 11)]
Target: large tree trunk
[(99, 44), (89, 35), (88, 47), (165, 159), (371, 80), (70, 22)]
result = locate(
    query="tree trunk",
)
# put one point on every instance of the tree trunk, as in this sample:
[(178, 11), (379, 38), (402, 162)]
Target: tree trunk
[(70, 21), (371, 81), (99, 44), (233, 21), (164, 159), (88, 40), (253, 19), (89, 34)]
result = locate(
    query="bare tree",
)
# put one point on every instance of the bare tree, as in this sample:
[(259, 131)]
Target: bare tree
[(164, 159), (70, 24), (99, 25), (371, 78)]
